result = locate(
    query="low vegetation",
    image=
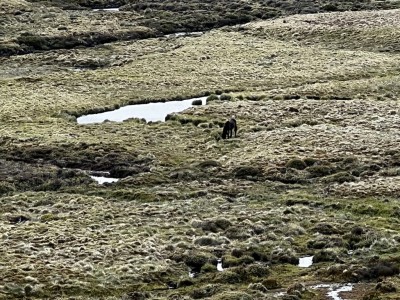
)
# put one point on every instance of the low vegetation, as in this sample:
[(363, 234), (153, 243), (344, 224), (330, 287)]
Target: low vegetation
[(314, 170)]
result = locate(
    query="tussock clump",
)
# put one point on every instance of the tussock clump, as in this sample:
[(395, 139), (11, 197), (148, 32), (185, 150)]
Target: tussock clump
[(271, 283), (136, 296), (213, 225), (225, 97), (319, 171), (257, 270), (231, 261), (340, 177), (286, 175), (209, 164), (325, 255), (326, 242), (205, 291), (185, 282), (257, 287), (6, 188), (207, 241), (296, 163), (247, 172), (223, 223), (196, 260), (309, 161), (299, 122), (212, 97), (238, 233), (256, 97), (228, 277), (390, 172), (123, 171), (185, 174), (386, 287), (233, 296), (208, 268), (383, 268), (317, 244), (325, 228), (197, 102), (281, 255)]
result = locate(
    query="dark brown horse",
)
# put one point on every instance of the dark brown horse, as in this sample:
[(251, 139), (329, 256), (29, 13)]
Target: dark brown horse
[(230, 127)]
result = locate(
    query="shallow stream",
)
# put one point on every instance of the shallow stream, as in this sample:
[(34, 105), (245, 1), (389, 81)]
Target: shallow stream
[(305, 262), (102, 179), (106, 9), (334, 290)]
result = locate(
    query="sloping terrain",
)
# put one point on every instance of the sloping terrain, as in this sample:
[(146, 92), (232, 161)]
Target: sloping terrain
[(29, 26), (314, 171)]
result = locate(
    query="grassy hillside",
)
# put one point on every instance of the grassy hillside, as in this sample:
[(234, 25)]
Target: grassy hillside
[(314, 169)]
